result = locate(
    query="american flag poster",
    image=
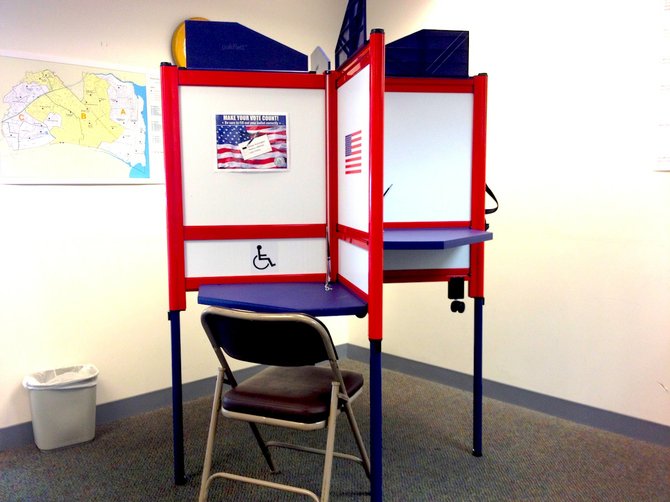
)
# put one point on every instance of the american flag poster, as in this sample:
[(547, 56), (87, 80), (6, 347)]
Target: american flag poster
[(352, 153), (251, 142)]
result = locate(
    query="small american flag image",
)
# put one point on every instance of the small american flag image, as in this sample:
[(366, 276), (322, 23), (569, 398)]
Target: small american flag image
[(353, 153), (234, 131)]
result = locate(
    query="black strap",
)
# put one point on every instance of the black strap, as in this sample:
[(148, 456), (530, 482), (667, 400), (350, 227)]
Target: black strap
[(491, 194)]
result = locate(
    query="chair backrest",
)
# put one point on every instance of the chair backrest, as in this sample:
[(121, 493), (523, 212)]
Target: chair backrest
[(284, 339)]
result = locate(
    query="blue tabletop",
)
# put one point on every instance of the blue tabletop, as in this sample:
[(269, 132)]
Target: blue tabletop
[(432, 238), (306, 297)]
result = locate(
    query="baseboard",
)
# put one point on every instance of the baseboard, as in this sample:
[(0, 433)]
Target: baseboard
[(606, 420), (22, 434)]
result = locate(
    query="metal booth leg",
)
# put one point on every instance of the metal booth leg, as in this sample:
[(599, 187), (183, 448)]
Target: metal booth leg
[(376, 420), (477, 380), (177, 400)]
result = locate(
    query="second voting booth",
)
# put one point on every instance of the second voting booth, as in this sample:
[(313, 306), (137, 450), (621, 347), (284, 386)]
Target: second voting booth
[(296, 191)]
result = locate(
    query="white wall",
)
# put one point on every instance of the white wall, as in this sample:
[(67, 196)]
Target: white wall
[(83, 269), (578, 272)]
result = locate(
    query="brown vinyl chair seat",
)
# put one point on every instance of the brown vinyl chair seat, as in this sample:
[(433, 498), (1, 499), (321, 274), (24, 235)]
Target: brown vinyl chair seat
[(299, 394)]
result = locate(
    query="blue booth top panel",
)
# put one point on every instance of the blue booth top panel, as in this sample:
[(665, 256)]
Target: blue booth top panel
[(307, 297), (432, 238)]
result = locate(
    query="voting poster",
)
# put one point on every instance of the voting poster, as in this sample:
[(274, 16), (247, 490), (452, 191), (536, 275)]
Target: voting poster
[(252, 143)]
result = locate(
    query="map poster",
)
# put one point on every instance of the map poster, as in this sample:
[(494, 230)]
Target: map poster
[(252, 142), (65, 123)]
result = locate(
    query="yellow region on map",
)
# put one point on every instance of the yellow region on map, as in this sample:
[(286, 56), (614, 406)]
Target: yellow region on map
[(83, 121)]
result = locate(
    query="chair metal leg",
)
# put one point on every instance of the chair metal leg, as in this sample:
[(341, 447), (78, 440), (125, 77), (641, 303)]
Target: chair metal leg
[(267, 484), (264, 448), (330, 443), (254, 429), (359, 439), (213, 421)]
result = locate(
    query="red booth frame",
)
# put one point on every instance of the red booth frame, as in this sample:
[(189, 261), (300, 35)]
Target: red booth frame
[(178, 234)]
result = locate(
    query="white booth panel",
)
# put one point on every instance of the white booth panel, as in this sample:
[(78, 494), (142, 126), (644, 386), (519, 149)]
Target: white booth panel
[(353, 109), (242, 257), (427, 259), (427, 156), (217, 197), (354, 265)]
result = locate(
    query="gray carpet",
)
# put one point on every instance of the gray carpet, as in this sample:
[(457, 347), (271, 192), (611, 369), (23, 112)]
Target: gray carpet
[(427, 442)]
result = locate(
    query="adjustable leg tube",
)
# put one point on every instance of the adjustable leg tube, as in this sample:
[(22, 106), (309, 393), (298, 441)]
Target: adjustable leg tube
[(477, 380), (376, 419), (177, 400)]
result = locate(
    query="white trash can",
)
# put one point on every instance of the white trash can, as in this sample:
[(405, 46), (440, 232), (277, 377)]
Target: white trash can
[(62, 405)]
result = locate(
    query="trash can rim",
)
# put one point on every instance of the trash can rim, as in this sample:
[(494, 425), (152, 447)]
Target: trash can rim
[(82, 375)]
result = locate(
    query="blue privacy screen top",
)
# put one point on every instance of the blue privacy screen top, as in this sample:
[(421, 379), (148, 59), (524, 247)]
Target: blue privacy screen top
[(429, 53), (352, 33), (214, 45)]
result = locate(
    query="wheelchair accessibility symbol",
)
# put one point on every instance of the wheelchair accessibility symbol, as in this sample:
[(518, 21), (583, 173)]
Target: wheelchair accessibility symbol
[(261, 260)]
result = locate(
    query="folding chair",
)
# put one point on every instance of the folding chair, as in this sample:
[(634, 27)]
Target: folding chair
[(291, 392)]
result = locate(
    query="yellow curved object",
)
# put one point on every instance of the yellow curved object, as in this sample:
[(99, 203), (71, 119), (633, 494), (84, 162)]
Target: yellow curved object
[(179, 42)]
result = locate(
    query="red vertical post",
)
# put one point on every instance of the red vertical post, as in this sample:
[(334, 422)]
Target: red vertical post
[(173, 186), (478, 217), (332, 207), (376, 226)]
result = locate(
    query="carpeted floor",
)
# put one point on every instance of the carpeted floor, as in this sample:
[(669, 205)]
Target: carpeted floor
[(427, 441)]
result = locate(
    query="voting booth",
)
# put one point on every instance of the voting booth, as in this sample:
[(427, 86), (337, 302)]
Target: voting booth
[(292, 191)]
